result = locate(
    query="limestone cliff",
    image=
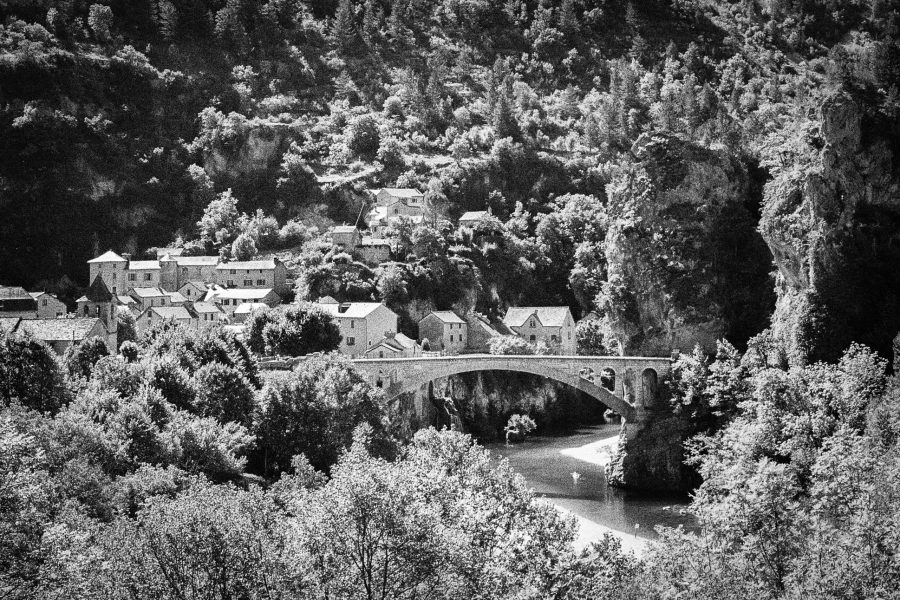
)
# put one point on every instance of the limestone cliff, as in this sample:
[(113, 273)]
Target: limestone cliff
[(832, 221), (685, 263)]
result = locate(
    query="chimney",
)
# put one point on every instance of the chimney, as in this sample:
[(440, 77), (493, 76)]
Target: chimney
[(127, 256), (390, 335)]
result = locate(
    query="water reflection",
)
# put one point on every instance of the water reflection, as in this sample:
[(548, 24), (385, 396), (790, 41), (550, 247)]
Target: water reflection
[(551, 474)]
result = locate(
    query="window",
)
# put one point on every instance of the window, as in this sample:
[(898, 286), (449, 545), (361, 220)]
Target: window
[(44, 302), (531, 324), (554, 338), (352, 325), (114, 275), (381, 354), (131, 276), (148, 276), (351, 341), (231, 283), (233, 271), (532, 338), (248, 282), (451, 337), (260, 282)]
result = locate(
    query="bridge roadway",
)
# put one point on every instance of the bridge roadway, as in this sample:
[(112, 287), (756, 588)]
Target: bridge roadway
[(631, 385)]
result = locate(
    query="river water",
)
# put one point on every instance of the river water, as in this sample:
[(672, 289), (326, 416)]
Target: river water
[(547, 463)]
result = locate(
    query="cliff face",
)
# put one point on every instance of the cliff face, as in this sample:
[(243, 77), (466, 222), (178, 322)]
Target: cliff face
[(686, 265), (832, 220)]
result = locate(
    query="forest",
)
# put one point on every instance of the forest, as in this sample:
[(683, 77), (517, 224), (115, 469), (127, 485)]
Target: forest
[(716, 176)]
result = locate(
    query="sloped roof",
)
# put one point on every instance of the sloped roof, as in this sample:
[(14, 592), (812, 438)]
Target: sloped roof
[(108, 256), (369, 241), (37, 295), (196, 261), (344, 229), (98, 292), (474, 215), (14, 293), (354, 310), (241, 293), (206, 307), (148, 292), (179, 313), (402, 192), (446, 316), (143, 265), (126, 300), (248, 264), (9, 324), (549, 316), (170, 252), (249, 307), (176, 297), (398, 342), (58, 330), (327, 300)]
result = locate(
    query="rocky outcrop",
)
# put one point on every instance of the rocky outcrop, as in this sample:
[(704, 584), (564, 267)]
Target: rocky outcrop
[(650, 457), (832, 220), (686, 265)]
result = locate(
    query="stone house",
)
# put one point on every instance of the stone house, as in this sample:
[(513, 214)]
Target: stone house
[(229, 299), (193, 290), (407, 196), (178, 271), (253, 274), (149, 296), (59, 334), (552, 325), (445, 332), (480, 332), (391, 204), (16, 302), (395, 345), (243, 312), (472, 219), (347, 237), (157, 314), (362, 324), (208, 314), (48, 305), (99, 303), (112, 269), (143, 274), (374, 251)]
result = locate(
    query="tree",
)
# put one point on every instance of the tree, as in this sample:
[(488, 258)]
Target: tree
[(362, 136), (243, 247), (294, 330), (80, 358), (30, 374), (219, 222), (511, 344), (126, 328), (343, 31), (223, 393), (100, 19), (589, 337), (503, 120), (313, 412)]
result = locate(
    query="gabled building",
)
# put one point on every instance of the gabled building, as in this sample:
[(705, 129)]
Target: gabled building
[(243, 312), (99, 303), (158, 314), (374, 251), (149, 296), (472, 219), (407, 196), (59, 334), (395, 345), (194, 290), (362, 324), (445, 331), (177, 271), (346, 237), (392, 204), (48, 305), (228, 299), (143, 274), (552, 325), (253, 274), (16, 302), (480, 332), (208, 314)]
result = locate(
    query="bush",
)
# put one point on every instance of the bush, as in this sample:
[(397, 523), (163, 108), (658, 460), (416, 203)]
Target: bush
[(30, 375), (294, 330), (518, 427), (362, 137), (223, 393), (511, 344), (81, 358)]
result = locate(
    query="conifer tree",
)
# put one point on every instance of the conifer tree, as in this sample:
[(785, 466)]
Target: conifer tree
[(344, 29), (568, 21)]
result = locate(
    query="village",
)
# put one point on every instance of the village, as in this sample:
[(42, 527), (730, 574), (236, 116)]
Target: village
[(207, 291)]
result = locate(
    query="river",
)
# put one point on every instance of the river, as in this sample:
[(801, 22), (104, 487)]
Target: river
[(547, 463)]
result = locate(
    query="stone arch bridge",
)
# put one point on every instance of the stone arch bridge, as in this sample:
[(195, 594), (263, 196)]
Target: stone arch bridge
[(625, 384)]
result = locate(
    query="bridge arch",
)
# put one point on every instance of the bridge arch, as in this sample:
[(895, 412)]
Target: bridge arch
[(398, 376)]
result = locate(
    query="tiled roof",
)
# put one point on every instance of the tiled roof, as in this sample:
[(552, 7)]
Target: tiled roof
[(446, 316), (327, 300), (248, 264), (398, 342), (241, 293), (403, 192), (176, 297), (170, 252), (343, 229), (351, 310), (148, 292), (474, 215), (143, 265), (179, 313), (8, 324), (14, 293), (196, 261), (549, 316), (37, 295), (126, 300), (98, 292), (57, 330), (249, 307), (206, 307), (108, 256), (368, 241)]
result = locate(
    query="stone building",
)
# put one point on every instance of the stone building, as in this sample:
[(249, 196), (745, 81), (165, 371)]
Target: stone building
[(253, 274), (177, 271), (445, 331), (552, 325), (99, 303), (395, 345), (16, 302), (48, 305), (480, 332), (228, 299), (112, 269), (157, 314), (60, 334), (362, 324)]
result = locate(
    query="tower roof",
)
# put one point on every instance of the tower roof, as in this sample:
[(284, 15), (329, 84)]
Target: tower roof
[(108, 256), (98, 292)]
